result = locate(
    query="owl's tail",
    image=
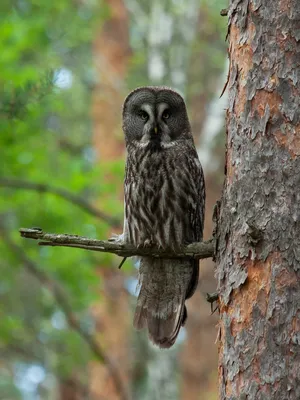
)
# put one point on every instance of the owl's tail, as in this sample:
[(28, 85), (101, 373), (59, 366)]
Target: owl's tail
[(164, 287)]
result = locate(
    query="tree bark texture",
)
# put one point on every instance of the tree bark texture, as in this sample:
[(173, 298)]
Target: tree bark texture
[(258, 254)]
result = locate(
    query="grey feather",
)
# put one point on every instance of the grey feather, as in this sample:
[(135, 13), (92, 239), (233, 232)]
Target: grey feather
[(164, 205), (160, 305)]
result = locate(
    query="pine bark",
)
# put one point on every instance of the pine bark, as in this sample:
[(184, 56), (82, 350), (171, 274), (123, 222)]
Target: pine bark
[(258, 253)]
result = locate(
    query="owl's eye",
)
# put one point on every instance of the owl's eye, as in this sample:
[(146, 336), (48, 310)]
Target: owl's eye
[(144, 115), (166, 114)]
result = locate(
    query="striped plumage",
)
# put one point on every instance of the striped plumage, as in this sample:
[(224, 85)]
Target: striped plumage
[(164, 205)]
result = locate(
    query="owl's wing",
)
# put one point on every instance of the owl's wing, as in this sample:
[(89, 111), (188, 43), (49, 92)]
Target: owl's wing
[(127, 187), (196, 211), (195, 194)]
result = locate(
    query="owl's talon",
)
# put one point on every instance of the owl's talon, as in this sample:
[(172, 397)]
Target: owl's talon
[(119, 239), (148, 243)]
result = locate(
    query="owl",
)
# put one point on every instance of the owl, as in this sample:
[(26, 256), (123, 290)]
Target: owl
[(164, 206)]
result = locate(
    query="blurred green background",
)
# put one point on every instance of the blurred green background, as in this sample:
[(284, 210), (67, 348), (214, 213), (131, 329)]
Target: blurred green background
[(65, 68)]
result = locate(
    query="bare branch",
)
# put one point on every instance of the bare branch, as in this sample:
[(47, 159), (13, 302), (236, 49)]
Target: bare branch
[(63, 302), (65, 194), (194, 250)]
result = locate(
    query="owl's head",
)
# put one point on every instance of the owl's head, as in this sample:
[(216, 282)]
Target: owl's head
[(155, 115)]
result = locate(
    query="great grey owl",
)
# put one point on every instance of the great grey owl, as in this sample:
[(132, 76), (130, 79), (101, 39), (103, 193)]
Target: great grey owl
[(164, 206)]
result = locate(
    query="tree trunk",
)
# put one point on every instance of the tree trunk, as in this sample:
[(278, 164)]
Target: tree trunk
[(111, 56), (258, 248), (69, 389)]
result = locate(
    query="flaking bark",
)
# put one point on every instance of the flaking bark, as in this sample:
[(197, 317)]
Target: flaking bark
[(258, 240)]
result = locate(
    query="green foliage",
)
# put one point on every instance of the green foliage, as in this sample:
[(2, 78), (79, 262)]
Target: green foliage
[(208, 50), (46, 74)]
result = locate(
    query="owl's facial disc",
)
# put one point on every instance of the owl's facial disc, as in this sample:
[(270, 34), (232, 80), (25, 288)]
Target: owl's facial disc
[(155, 116)]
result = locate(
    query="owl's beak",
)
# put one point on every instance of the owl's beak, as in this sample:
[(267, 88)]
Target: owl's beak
[(155, 129)]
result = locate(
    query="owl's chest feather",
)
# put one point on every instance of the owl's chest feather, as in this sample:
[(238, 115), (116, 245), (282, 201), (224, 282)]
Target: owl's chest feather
[(157, 198), (164, 196), (152, 178)]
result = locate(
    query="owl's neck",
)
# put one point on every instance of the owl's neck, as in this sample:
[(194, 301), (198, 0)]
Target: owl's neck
[(152, 146)]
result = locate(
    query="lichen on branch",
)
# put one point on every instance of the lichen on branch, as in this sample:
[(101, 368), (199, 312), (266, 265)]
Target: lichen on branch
[(194, 250)]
